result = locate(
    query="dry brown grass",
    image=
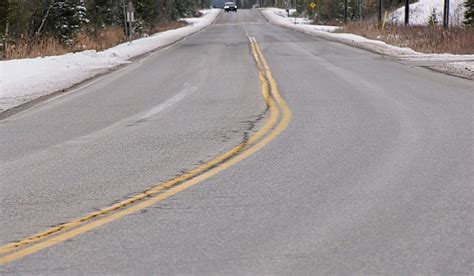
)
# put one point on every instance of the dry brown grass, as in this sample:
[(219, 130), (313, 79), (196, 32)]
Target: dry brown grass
[(104, 39), (168, 26), (48, 46), (24, 48), (429, 39)]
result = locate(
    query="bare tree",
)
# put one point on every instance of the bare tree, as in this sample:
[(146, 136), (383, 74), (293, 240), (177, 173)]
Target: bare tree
[(45, 17)]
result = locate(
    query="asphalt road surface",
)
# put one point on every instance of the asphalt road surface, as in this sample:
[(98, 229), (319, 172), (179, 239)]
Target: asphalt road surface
[(373, 175)]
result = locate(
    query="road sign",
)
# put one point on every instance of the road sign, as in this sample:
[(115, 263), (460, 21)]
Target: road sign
[(130, 17), (130, 12), (312, 5)]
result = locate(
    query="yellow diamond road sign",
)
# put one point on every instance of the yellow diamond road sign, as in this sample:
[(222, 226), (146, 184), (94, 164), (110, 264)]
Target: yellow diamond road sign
[(312, 5)]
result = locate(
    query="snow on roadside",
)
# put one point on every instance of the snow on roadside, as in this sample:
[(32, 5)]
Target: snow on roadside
[(461, 65), (290, 19), (23, 80), (421, 12), (300, 20)]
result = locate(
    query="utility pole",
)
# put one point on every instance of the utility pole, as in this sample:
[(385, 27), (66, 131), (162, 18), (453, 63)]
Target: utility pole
[(446, 15), (407, 12)]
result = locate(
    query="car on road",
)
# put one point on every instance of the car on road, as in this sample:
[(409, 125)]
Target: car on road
[(230, 6)]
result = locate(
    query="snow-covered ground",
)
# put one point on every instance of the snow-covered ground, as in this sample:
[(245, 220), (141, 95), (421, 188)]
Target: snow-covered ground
[(23, 80), (462, 65), (291, 18), (304, 22), (421, 12)]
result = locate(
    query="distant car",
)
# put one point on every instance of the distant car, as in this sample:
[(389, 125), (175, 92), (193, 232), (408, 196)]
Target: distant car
[(230, 6)]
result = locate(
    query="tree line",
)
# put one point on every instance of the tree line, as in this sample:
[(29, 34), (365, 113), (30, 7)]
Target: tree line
[(332, 11), (28, 20), (64, 19)]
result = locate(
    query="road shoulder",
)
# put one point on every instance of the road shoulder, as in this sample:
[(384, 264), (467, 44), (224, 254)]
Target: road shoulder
[(455, 65)]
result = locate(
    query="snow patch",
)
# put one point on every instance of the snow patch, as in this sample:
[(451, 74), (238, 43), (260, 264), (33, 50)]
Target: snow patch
[(304, 22), (421, 13)]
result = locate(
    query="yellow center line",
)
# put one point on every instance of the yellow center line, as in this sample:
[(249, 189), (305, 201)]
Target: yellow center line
[(274, 114), (167, 189)]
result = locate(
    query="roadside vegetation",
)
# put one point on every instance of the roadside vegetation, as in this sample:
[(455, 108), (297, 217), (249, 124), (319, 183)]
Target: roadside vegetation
[(331, 12), (429, 37), (427, 34), (32, 28), (424, 39)]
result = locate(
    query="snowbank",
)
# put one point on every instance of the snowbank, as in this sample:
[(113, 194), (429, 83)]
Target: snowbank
[(23, 80), (421, 12), (460, 65), (304, 22)]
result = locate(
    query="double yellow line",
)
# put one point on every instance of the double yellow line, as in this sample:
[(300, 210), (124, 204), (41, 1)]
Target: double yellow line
[(279, 119)]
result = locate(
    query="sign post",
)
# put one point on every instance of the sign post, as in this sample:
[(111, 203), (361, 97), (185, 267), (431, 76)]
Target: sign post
[(130, 19), (345, 12), (312, 5)]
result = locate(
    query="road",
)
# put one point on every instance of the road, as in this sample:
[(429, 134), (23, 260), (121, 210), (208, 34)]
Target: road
[(372, 175)]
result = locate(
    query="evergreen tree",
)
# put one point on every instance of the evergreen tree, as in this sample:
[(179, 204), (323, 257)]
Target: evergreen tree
[(185, 8), (353, 10), (67, 18), (166, 11), (29, 20), (97, 10), (20, 17), (469, 13), (326, 10), (3, 27), (145, 15), (3, 16)]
